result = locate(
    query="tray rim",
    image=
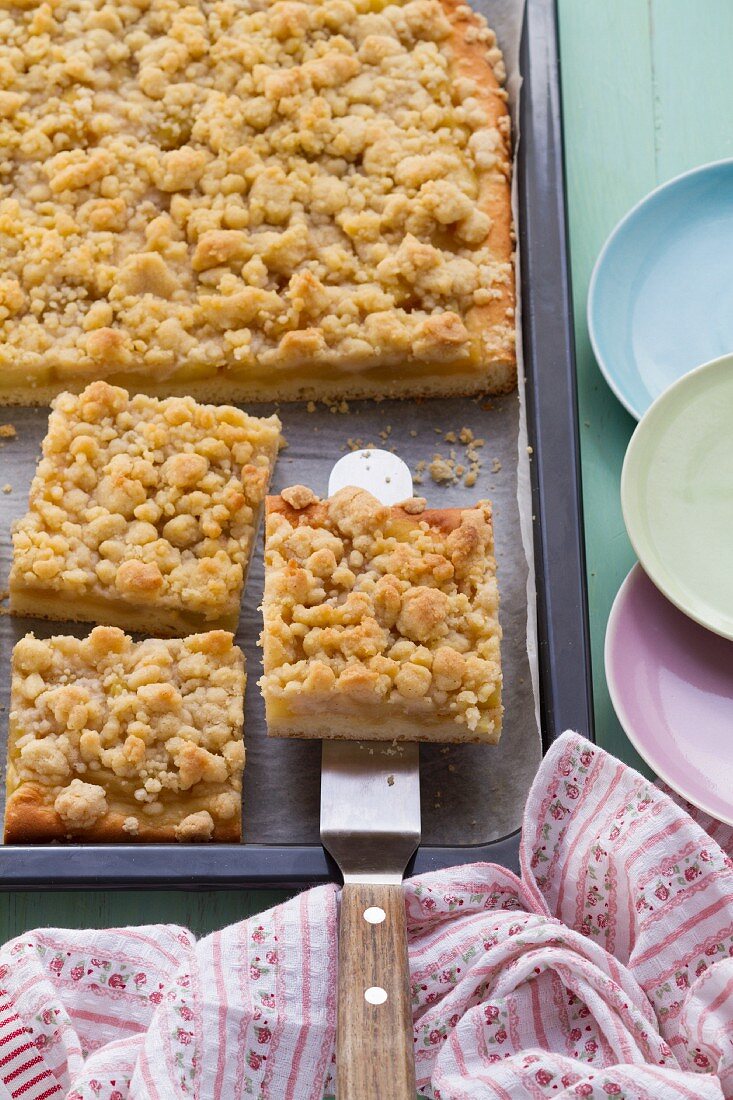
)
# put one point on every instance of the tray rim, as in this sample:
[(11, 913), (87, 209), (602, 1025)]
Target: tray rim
[(563, 643)]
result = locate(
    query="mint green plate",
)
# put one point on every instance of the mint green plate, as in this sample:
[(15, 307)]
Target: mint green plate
[(677, 494)]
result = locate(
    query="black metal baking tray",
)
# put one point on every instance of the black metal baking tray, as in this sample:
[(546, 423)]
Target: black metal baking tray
[(562, 630)]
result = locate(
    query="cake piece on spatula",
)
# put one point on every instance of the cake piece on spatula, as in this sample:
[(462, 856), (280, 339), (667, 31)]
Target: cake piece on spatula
[(380, 618), (143, 512), (116, 741)]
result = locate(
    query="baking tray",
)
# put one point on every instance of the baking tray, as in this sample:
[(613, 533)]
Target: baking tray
[(563, 662)]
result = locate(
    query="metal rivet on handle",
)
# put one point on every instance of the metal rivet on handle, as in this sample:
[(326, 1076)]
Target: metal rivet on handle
[(375, 995), (374, 915)]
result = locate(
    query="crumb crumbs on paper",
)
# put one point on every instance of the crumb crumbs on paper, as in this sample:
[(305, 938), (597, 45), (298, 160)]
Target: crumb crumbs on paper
[(395, 749), (332, 406), (7, 488), (451, 468), (442, 469), (7, 431), (390, 781), (358, 445)]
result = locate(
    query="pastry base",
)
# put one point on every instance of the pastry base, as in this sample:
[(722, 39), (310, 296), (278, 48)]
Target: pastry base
[(31, 819), (373, 726)]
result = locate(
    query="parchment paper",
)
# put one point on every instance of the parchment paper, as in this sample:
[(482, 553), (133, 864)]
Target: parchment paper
[(470, 794)]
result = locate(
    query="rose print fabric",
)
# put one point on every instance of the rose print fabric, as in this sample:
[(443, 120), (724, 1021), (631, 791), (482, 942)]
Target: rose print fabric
[(605, 971)]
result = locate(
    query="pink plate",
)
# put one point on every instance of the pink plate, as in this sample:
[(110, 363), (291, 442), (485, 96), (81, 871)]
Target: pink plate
[(671, 683)]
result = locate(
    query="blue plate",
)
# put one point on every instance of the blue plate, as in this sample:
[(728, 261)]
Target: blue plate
[(661, 294)]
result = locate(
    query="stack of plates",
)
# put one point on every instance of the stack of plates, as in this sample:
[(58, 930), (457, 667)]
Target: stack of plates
[(661, 302)]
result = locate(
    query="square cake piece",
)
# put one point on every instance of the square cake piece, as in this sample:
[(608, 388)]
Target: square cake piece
[(380, 622), (247, 200), (112, 740), (142, 512)]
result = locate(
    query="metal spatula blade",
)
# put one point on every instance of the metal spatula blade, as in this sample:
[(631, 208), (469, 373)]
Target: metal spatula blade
[(370, 808), (370, 823)]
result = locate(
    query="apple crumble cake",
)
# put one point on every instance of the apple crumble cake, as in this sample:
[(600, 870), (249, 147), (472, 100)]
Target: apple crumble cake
[(380, 622), (246, 200), (142, 512), (112, 740)]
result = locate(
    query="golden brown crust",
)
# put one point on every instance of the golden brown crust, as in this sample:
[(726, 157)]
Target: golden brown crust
[(116, 741), (380, 622), (491, 323), (30, 820)]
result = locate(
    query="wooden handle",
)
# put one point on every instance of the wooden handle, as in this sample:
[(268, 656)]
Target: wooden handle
[(374, 1039)]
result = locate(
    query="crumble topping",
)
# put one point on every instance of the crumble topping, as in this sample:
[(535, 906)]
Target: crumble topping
[(145, 501), (299, 496), (148, 729), (81, 804), (370, 605), (198, 826), (248, 186)]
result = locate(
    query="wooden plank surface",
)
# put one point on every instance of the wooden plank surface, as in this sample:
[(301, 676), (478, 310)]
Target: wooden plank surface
[(647, 93)]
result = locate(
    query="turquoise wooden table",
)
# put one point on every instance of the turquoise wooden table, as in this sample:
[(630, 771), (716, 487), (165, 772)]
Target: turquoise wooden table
[(647, 93)]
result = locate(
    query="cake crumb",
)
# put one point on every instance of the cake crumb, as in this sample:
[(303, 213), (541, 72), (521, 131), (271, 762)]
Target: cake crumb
[(7, 488), (442, 469), (390, 781), (7, 431)]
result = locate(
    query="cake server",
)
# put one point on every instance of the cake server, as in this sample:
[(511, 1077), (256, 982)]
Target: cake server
[(370, 824)]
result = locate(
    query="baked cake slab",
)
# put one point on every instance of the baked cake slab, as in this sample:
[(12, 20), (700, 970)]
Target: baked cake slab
[(244, 200), (116, 741), (142, 512), (380, 622)]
